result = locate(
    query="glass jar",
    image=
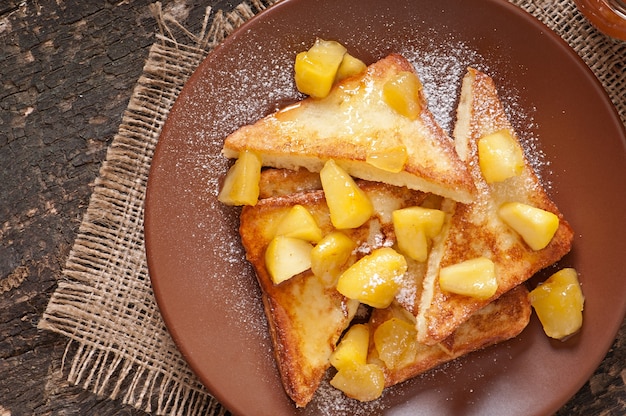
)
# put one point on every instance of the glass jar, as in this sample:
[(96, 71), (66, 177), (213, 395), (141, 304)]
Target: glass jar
[(607, 15)]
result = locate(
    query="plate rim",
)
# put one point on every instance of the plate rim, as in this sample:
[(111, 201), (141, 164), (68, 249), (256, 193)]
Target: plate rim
[(275, 8)]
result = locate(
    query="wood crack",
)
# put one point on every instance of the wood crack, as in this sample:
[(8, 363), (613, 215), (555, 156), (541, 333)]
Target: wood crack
[(9, 10)]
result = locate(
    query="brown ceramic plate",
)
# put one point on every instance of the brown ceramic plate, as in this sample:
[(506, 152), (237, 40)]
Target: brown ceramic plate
[(206, 291)]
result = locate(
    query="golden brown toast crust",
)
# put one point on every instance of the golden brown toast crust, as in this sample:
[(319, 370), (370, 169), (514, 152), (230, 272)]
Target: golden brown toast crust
[(351, 122), (306, 318), (300, 373), (475, 230), (499, 321), (302, 349), (281, 182)]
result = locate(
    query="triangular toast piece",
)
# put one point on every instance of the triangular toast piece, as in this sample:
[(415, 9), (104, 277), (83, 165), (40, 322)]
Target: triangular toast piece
[(352, 123), (503, 319), (475, 229), (307, 317)]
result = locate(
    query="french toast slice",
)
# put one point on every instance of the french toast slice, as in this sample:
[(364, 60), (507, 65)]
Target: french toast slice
[(500, 320), (475, 229), (306, 316), (353, 123)]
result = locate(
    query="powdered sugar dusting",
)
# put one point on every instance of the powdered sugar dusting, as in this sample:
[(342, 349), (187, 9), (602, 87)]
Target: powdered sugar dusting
[(441, 72), (328, 401), (237, 97), (241, 97)]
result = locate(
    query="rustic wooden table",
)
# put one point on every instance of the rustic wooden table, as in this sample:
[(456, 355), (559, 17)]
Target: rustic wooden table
[(67, 70)]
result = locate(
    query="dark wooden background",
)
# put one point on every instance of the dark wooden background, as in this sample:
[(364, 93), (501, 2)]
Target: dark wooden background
[(67, 70)]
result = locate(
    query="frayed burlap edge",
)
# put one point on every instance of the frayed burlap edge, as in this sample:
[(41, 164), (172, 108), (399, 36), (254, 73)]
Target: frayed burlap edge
[(119, 347)]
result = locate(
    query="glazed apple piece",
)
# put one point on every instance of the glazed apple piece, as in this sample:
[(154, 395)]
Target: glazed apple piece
[(391, 159), (299, 223), (362, 382), (349, 66), (396, 342), (349, 206), (316, 69), (286, 257), (414, 227), (375, 278), (401, 92), (329, 256), (499, 156), (535, 225), (474, 277), (559, 303), (241, 185), (352, 349)]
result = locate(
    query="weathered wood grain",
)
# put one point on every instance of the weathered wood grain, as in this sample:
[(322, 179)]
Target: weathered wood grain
[(67, 70)]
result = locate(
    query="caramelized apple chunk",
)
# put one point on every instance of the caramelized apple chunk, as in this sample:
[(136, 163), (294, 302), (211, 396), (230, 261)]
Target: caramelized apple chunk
[(375, 278), (241, 185), (352, 349), (349, 206), (330, 255), (362, 382), (349, 66), (414, 227), (391, 159), (286, 257), (559, 303), (396, 342), (535, 225), (499, 156), (299, 223), (316, 69), (474, 277), (401, 92)]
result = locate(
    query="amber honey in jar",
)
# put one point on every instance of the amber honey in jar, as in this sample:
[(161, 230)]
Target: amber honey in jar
[(607, 15)]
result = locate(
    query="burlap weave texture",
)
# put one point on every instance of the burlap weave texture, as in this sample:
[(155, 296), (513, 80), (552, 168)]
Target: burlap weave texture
[(104, 304)]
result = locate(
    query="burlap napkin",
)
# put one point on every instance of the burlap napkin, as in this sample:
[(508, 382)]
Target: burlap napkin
[(118, 345)]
